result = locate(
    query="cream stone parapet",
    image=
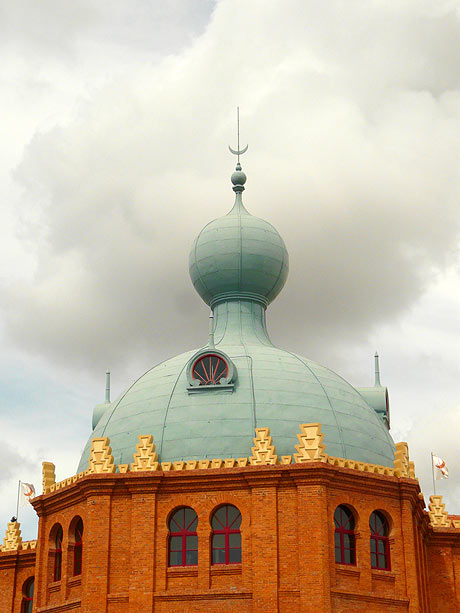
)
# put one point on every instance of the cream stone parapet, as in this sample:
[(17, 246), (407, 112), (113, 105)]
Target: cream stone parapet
[(145, 457), (48, 475), (54, 487), (362, 466), (263, 452), (403, 467), (439, 518), (310, 447), (13, 539), (100, 457)]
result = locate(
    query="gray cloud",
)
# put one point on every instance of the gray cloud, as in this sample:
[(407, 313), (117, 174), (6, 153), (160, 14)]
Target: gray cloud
[(353, 120)]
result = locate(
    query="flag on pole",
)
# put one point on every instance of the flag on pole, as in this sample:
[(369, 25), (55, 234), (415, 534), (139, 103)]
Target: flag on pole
[(27, 492), (441, 471)]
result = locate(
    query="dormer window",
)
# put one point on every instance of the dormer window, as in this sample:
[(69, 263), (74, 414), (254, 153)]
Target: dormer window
[(209, 369)]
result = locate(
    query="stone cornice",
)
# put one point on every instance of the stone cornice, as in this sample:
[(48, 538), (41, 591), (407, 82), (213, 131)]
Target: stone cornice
[(10, 559)]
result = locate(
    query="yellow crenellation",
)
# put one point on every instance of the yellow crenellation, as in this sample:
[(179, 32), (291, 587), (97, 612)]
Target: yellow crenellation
[(403, 467), (13, 539), (263, 452), (100, 458), (145, 457), (311, 447), (48, 475), (438, 515)]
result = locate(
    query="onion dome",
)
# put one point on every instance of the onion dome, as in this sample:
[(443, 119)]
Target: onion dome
[(238, 255), (205, 403)]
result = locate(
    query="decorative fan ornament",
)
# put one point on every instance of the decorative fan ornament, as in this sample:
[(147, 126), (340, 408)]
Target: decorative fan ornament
[(209, 369)]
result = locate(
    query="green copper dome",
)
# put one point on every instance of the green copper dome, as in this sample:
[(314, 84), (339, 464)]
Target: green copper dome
[(238, 255), (238, 264)]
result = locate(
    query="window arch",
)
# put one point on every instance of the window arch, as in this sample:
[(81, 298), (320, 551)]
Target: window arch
[(27, 596), (56, 542), (78, 548), (380, 543), (183, 539), (226, 535), (344, 538)]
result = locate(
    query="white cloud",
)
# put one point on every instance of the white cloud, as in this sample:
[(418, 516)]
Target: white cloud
[(117, 134)]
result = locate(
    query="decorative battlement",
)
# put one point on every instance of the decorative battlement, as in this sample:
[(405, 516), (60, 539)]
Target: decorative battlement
[(13, 539), (48, 474), (145, 457), (311, 448), (439, 518), (100, 457), (263, 452), (403, 467)]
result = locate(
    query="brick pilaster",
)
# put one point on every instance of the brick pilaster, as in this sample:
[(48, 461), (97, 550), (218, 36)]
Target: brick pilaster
[(142, 564), (264, 533), (96, 553), (314, 548)]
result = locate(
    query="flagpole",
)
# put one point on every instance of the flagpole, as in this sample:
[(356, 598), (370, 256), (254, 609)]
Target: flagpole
[(17, 502), (432, 473)]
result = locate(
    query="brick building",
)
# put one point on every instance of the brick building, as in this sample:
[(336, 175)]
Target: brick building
[(237, 477)]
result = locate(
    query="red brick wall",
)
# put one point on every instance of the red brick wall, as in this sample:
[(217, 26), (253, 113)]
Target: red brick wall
[(287, 528)]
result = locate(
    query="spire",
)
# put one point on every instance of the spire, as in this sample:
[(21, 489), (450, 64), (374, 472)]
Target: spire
[(239, 151), (238, 177), (107, 386), (377, 370)]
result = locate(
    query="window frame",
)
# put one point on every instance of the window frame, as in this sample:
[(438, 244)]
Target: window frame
[(380, 538), (26, 599), (211, 380), (342, 531), (226, 530), (183, 534), (57, 566), (78, 549)]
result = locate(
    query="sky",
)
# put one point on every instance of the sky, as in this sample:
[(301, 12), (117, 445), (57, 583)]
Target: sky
[(115, 123)]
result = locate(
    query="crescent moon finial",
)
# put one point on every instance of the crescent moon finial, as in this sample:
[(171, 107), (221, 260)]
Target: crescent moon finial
[(238, 151)]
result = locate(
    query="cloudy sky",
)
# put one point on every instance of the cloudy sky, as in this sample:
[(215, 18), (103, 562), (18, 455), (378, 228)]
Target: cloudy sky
[(115, 123)]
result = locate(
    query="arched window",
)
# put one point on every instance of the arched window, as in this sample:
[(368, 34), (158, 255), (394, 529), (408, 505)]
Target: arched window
[(78, 548), (345, 549), (380, 543), (58, 554), (183, 540), (226, 535), (27, 596), (210, 369)]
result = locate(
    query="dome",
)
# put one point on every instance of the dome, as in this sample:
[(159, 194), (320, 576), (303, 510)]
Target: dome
[(239, 264), (238, 255), (274, 388)]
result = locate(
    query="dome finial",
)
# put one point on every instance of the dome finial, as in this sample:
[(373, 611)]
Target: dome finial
[(238, 177)]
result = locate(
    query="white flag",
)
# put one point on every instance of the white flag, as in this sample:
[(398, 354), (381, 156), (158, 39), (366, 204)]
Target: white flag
[(440, 468), (27, 492)]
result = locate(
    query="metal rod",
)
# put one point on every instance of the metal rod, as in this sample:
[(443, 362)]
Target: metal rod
[(377, 370), (432, 473), (17, 502), (211, 331), (238, 124), (107, 386)]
